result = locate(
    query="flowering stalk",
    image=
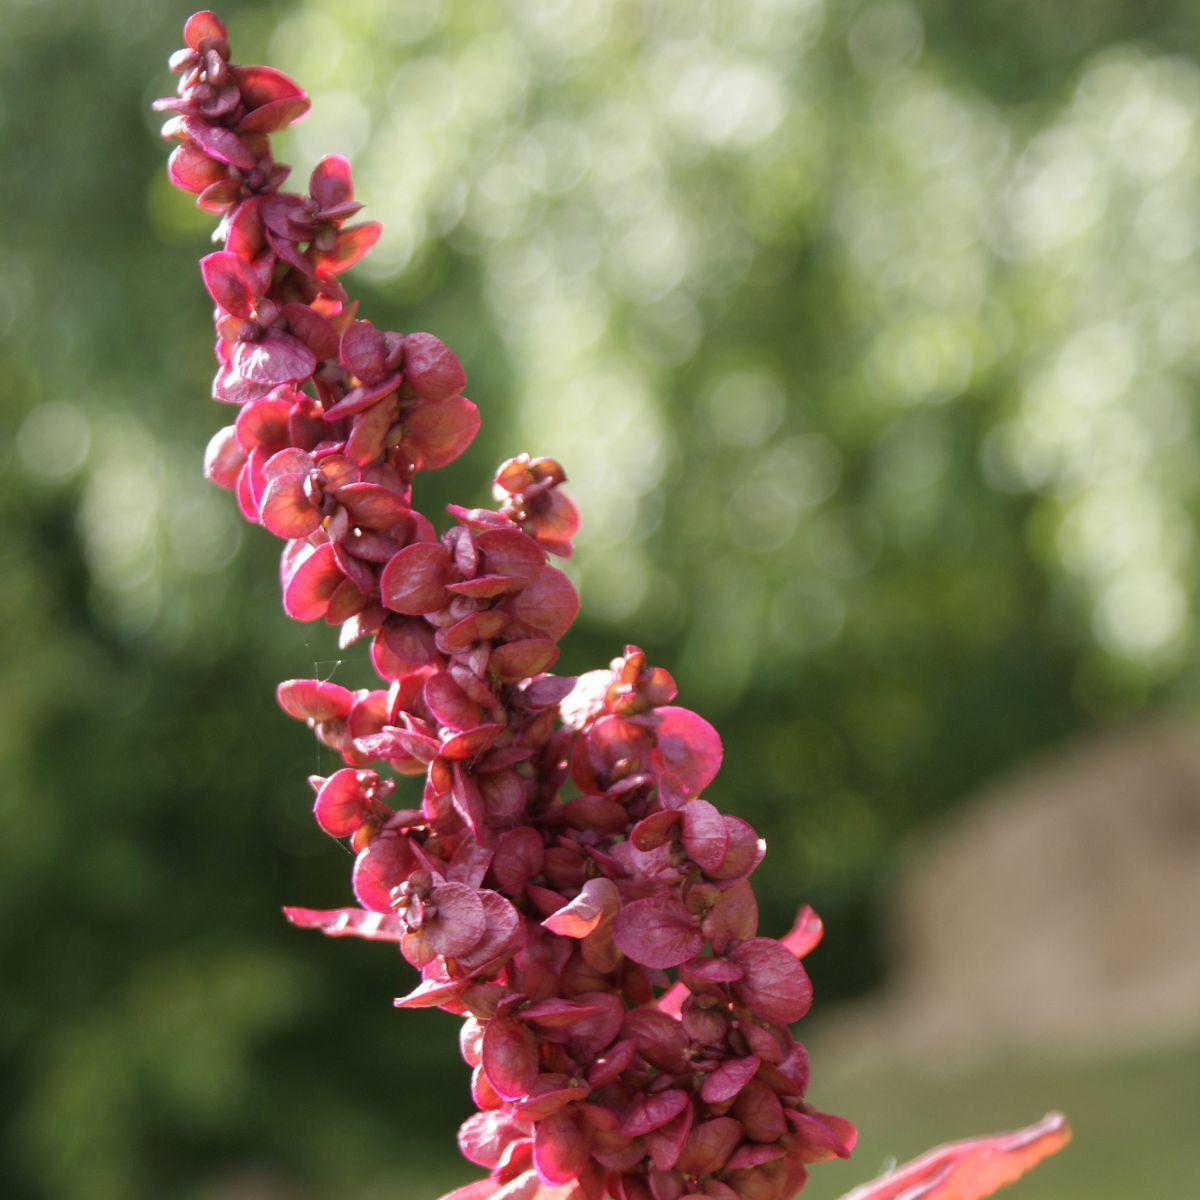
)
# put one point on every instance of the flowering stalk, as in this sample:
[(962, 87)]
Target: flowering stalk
[(562, 884)]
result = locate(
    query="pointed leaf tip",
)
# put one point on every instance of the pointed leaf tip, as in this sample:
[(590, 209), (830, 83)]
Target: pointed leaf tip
[(972, 1169)]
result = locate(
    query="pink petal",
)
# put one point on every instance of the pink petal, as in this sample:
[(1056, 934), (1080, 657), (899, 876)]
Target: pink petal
[(449, 704), (728, 1079), (709, 1146), (219, 143), (510, 1057), (546, 607), (688, 747), (273, 99), (229, 282), (776, 987), (733, 918), (373, 507), (224, 458), (648, 1113), (191, 170), (657, 931), (436, 434), (341, 804), (312, 329), (561, 1148), (597, 900), (705, 836), (460, 920), (971, 1169), (330, 183), (522, 659), (746, 850), (511, 553), (363, 351), (352, 246), (348, 922), (263, 423), (201, 27), (402, 646), (277, 358), (286, 509), (431, 368), (805, 934), (385, 864), (413, 583), (759, 1110), (308, 591), (314, 700)]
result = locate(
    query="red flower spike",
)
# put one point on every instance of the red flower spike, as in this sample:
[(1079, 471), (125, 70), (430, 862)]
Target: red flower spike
[(547, 920)]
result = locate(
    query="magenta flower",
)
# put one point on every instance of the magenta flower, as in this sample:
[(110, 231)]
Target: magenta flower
[(558, 881)]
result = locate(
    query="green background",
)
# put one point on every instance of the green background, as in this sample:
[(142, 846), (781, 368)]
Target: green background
[(867, 336)]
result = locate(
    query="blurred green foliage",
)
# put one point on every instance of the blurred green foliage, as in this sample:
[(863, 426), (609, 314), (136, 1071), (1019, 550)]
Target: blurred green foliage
[(866, 333)]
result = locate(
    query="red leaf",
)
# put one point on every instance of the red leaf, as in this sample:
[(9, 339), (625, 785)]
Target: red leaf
[(510, 1057), (273, 99), (413, 583), (658, 931), (431, 368), (971, 1169), (776, 987)]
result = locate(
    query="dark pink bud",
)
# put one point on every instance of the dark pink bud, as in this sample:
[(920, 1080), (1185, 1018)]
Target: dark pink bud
[(598, 900), (648, 1113), (311, 583), (329, 185)]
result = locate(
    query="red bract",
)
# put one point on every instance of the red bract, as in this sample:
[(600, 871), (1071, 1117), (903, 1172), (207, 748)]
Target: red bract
[(557, 879)]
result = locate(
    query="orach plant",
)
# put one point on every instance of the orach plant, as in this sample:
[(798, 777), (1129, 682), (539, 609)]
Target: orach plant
[(560, 884)]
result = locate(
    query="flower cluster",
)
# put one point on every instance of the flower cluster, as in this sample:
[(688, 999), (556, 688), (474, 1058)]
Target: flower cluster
[(561, 883)]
